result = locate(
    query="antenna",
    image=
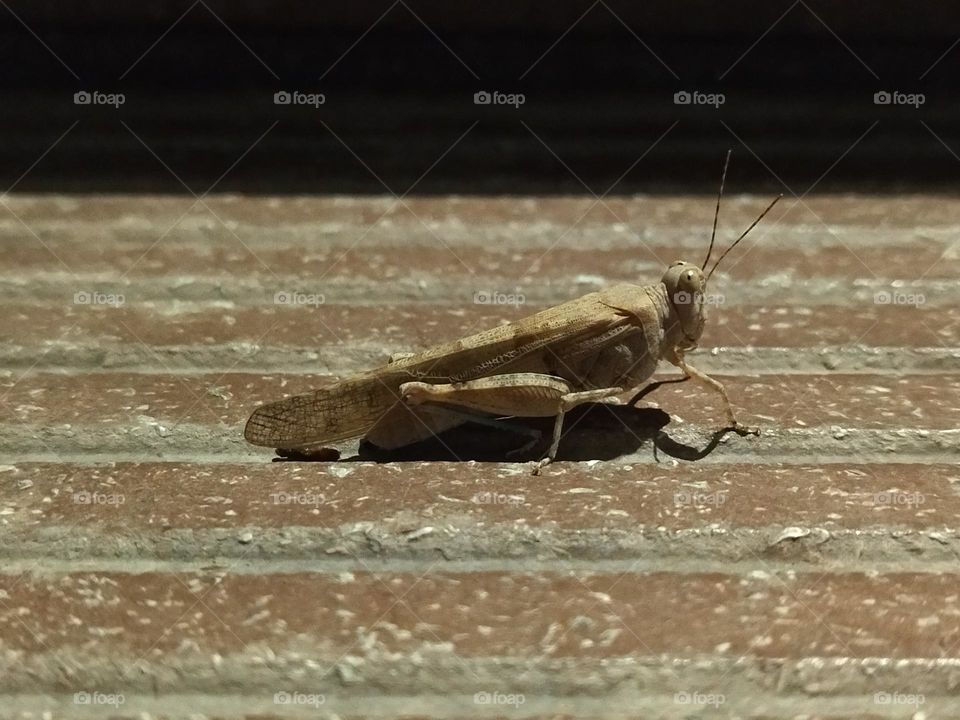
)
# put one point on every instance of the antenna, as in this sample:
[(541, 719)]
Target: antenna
[(716, 214), (752, 226)]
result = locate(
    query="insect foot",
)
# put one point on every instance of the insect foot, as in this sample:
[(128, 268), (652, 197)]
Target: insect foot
[(744, 430), (539, 465)]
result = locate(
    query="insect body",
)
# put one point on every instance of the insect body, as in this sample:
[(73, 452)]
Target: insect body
[(586, 350)]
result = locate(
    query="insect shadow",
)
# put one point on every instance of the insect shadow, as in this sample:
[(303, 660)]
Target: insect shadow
[(593, 431)]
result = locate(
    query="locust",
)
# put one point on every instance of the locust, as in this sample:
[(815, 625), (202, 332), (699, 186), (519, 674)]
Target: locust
[(588, 350)]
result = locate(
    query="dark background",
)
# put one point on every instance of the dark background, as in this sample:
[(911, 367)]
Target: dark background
[(399, 78)]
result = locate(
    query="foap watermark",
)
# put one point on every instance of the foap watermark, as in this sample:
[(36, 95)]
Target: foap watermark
[(898, 497), (499, 698), (697, 298), (98, 698), (884, 97), (95, 97), (294, 297), (492, 498), (482, 97), (895, 297), (495, 297), (295, 498), (699, 698), (85, 497), (693, 498), (85, 297), (295, 97), (695, 97), (299, 698), (899, 698)]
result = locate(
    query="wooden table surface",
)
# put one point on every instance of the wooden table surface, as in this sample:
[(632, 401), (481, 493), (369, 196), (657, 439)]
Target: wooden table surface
[(156, 562)]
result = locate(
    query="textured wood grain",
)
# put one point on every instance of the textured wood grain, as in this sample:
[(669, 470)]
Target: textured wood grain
[(149, 552)]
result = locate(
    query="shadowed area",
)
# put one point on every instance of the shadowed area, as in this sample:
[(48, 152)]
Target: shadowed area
[(603, 85), (593, 431)]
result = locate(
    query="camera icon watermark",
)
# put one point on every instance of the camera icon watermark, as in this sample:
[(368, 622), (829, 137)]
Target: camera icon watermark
[(299, 698), (285, 97), (895, 297), (496, 97), (85, 297), (85, 497), (695, 97), (495, 297), (98, 698), (884, 97), (499, 698), (95, 97), (682, 297), (294, 297), (492, 498), (699, 698), (899, 698), (295, 498), (692, 498), (895, 497)]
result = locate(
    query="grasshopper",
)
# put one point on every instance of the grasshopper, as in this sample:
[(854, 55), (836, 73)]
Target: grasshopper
[(591, 349)]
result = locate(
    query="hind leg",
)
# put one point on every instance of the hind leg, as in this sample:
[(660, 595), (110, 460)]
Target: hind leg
[(513, 395)]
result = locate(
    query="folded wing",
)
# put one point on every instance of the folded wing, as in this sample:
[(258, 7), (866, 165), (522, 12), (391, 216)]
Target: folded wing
[(353, 406)]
